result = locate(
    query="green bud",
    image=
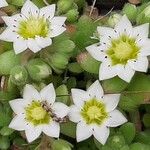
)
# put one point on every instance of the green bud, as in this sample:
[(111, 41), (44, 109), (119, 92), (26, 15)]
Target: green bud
[(61, 145), (116, 141), (114, 19), (75, 68), (128, 130), (8, 60), (88, 63), (72, 15), (66, 46), (19, 75), (59, 61), (64, 5), (38, 69), (139, 146), (130, 10), (146, 120), (62, 94)]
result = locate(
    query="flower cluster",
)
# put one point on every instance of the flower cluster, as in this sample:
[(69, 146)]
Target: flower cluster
[(121, 50), (93, 111)]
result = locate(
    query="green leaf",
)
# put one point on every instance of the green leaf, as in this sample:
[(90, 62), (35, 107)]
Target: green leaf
[(4, 143), (139, 146), (146, 120), (137, 91), (8, 60), (143, 137), (62, 94), (114, 85), (68, 129), (5, 131), (128, 130)]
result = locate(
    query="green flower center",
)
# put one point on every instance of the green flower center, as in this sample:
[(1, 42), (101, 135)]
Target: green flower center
[(123, 49), (33, 27), (36, 114), (93, 112)]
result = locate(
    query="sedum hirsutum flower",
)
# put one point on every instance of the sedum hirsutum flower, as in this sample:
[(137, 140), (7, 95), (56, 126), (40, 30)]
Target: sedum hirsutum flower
[(33, 28), (95, 112), (3, 3), (122, 50), (38, 112)]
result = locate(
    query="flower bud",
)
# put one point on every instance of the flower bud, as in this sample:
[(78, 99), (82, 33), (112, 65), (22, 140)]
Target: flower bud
[(8, 60), (72, 15), (88, 63), (75, 68), (130, 10), (38, 69), (114, 19), (59, 61), (18, 2), (64, 5), (61, 145), (19, 75)]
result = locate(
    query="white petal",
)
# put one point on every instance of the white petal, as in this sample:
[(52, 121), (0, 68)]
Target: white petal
[(30, 93), (124, 26), (18, 105), (96, 90), (111, 101), (32, 133), (58, 21), (43, 42), (83, 131), (52, 130), (8, 35), (48, 94), (61, 110), (107, 71), (20, 45), (115, 119), (144, 44), (29, 9), (106, 31), (79, 97), (3, 3), (48, 11), (141, 64), (33, 46), (96, 52), (56, 30), (74, 114), (101, 133), (141, 31), (18, 123), (126, 73)]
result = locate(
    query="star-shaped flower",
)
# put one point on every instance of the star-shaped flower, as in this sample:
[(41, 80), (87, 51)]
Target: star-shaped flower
[(38, 112), (33, 28), (122, 50), (3, 3), (95, 112)]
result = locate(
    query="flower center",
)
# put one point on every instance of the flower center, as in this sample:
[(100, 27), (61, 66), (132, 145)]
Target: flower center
[(94, 112), (33, 27), (36, 114), (123, 49)]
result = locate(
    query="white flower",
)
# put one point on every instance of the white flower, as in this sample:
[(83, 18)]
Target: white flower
[(95, 112), (33, 28), (38, 112), (3, 3), (122, 50)]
